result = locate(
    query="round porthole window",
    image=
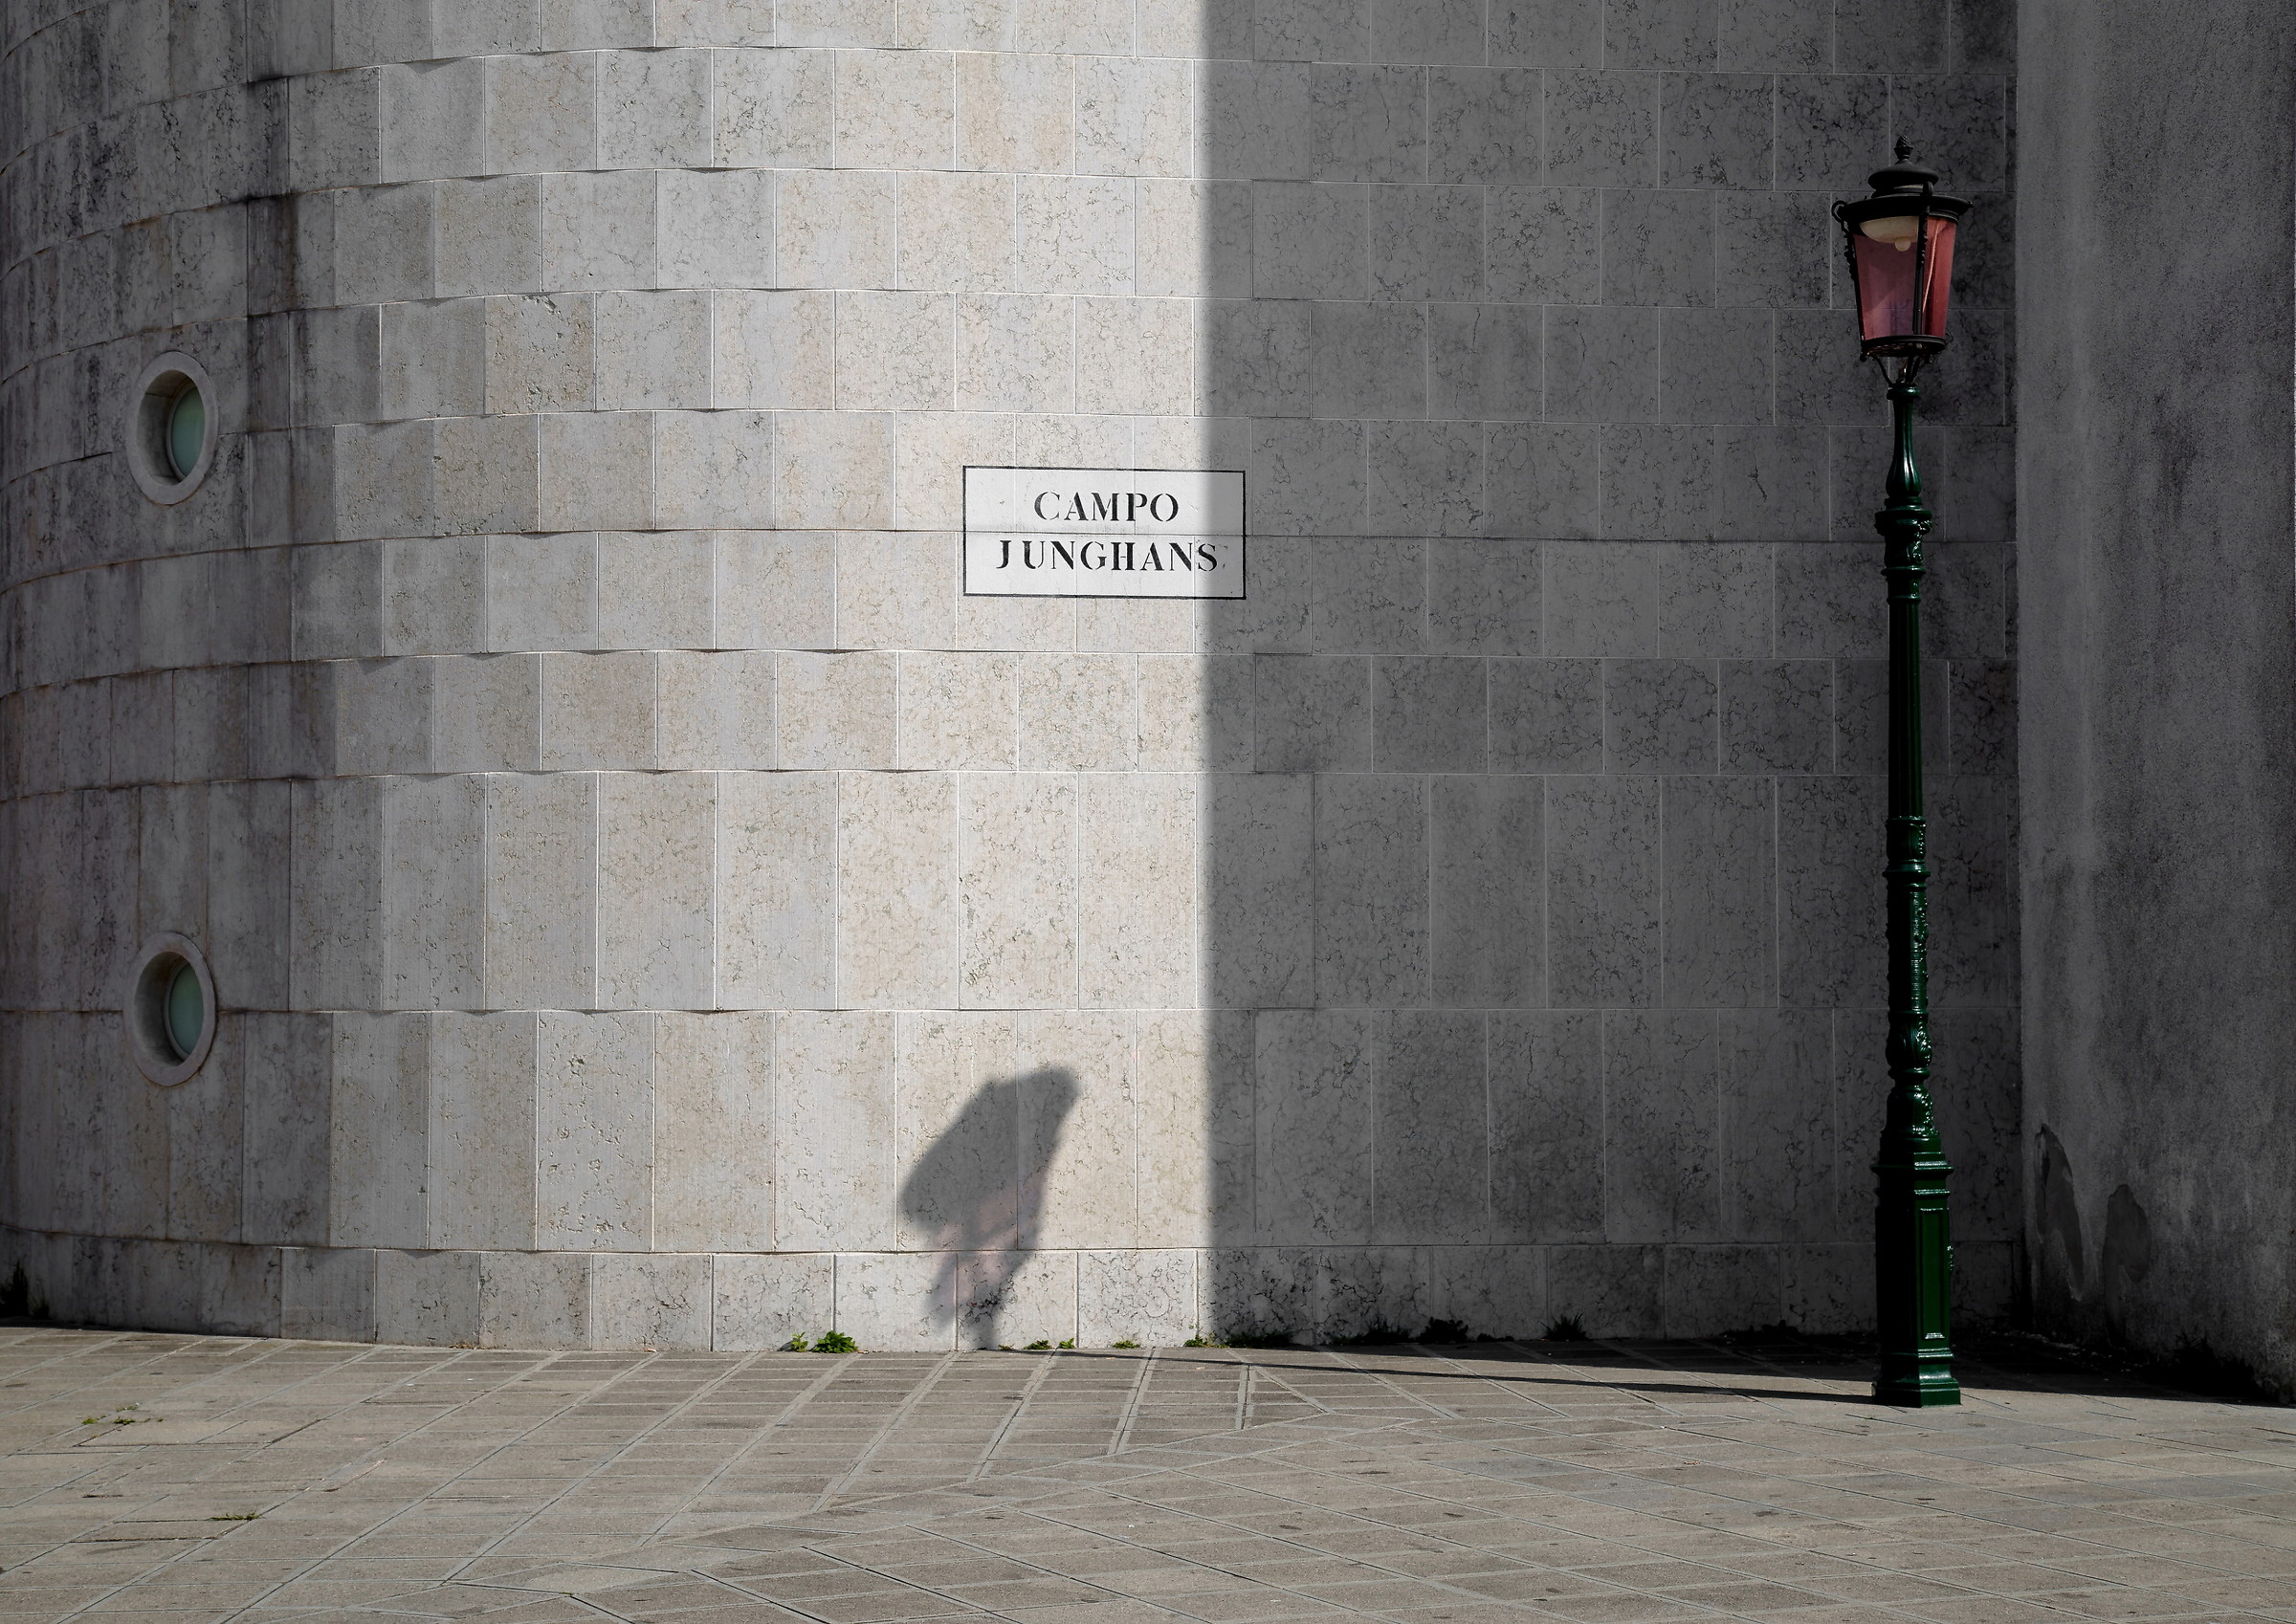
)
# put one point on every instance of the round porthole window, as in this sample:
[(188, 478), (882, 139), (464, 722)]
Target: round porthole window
[(171, 1010), (171, 428)]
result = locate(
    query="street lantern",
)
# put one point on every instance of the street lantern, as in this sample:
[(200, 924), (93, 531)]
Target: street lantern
[(1900, 244)]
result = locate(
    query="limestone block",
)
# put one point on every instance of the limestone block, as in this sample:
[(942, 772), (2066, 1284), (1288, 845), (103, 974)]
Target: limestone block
[(775, 910), (956, 712), (205, 1131), (1352, 1289), (772, 349), (593, 1131), (1661, 1118), (894, 109), (1718, 943), (1259, 891), (1492, 1291), (657, 867), (716, 228), (1370, 894), (835, 1173), (598, 231), (1017, 889), (1778, 1142), (171, 866), (337, 962), (931, 453), (433, 120), (487, 473), (1138, 1296), (949, 232), (1432, 1125), (1830, 913), (489, 236), (764, 1301), (1713, 1288), (541, 112), (897, 857), (713, 1132), (714, 711), (540, 929), (1012, 1299), (333, 130), (958, 1121), (1077, 1102), (771, 108), (480, 1189), (1137, 891), (1312, 1072), (431, 595), (1016, 111), (836, 228), (1830, 1287), (534, 1300), (1193, 1079), (1603, 891), (597, 470), (654, 1299), (1613, 1291), (432, 907), (1074, 234), (654, 350), (327, 1293), (776, 589), (598, 712), (654, 109), (378, 1121), (1195, 714), (427, 1297), (897, 1301), (1014, 353), (1076, 713), (286, 1129), (383, 477), (835, 709), (1133, 115), (555, 352), (715, 468)]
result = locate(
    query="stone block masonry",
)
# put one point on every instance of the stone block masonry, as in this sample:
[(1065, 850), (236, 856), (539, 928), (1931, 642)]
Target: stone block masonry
[(652, 905)]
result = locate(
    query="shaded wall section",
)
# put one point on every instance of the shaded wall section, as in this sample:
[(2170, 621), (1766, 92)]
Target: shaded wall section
[(2155, 532), (1544, 798)]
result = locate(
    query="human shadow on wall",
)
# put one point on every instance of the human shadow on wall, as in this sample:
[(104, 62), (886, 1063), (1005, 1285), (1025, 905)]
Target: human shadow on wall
[(979, 1188)]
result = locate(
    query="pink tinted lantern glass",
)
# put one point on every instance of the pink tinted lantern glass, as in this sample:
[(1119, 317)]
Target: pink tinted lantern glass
[(1888, 299)]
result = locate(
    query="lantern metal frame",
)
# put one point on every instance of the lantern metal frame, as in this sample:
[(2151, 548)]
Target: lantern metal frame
[(1903, 189), (1912, 1232)]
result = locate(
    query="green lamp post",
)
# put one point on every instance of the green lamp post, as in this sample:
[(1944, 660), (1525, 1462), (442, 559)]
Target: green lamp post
[(1900, 243)]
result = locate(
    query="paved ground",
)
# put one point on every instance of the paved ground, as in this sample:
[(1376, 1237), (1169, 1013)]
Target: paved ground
[(1603, 1483)]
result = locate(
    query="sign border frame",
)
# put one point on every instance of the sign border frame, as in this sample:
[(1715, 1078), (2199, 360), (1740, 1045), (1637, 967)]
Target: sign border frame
[(964, 532)]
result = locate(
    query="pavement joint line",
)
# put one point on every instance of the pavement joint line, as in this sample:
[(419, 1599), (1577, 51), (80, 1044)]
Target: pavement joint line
[(1030, 1388), (543, 1362), (192, 1548)]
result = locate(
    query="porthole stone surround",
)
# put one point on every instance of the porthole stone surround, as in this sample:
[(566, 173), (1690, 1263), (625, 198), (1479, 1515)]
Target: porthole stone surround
[(157, 387), (144, 1012)]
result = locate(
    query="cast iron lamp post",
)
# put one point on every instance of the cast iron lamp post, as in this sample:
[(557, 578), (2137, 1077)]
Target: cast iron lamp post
[(1900, 243)]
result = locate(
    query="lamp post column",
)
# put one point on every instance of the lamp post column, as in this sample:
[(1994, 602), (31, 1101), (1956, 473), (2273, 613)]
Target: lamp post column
[(1913, 1247)]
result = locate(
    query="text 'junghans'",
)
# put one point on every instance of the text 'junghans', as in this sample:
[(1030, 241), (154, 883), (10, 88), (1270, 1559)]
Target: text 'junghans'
[(1103, 533)]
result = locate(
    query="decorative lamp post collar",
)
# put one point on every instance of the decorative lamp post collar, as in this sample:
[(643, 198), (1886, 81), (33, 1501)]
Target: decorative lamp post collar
[(1900, 243)]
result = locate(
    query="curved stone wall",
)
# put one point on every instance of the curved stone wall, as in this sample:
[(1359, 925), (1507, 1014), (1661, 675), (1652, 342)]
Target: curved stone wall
[(651, 903)]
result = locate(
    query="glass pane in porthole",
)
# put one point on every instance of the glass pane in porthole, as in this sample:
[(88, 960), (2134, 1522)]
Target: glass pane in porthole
[(186, 1012), (187, 430)]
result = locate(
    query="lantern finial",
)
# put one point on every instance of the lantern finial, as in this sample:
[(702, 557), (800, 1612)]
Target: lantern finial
[(1905, 150)]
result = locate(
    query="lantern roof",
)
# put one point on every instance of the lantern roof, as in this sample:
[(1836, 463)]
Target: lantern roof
[(1904, 187)]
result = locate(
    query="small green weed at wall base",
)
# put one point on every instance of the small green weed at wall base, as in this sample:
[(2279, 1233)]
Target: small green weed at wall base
[(835, 1342), (1565, 1327)]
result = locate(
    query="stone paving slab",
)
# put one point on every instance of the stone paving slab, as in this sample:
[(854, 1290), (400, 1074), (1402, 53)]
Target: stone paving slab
[(188, 1479)]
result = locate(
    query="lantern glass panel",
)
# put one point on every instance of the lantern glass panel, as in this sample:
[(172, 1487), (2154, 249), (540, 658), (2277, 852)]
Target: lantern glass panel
[(1889, 305)]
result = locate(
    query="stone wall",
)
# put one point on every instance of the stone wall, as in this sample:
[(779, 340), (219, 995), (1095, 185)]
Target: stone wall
[(2160, 905), (653, 905)]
